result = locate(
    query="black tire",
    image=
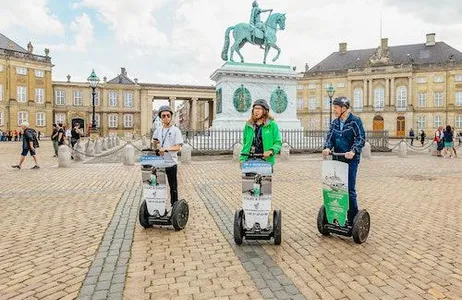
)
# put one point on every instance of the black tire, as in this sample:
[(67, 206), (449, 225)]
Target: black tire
[(180, 214), (144, 215), (277, 227), (322, 221), (238, 227), (361, 226)]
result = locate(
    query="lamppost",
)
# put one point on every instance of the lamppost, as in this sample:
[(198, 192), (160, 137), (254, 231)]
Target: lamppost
[(93, 80), (330, 92)]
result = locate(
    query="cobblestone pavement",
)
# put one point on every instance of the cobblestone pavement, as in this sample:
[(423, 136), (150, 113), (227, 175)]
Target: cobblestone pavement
[(77, 234)]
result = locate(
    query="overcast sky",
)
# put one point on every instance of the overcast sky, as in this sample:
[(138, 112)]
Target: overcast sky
[(180, 41)]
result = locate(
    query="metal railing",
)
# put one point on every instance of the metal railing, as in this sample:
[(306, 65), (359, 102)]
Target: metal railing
[(222, 141)]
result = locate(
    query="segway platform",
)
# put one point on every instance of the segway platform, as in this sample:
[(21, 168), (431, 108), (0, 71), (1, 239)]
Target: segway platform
[(252, 220), (153, 209)]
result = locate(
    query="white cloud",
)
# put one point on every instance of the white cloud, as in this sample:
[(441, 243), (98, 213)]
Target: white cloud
[(32, 15), (83, 30)]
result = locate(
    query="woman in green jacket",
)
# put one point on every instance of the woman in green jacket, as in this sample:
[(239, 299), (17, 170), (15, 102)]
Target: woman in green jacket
[(261, 133)]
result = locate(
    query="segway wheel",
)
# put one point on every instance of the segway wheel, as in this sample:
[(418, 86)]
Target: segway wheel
[(180, 214), (322, 221), (277, 227), (361, 226), (144, 215), (238, 228)]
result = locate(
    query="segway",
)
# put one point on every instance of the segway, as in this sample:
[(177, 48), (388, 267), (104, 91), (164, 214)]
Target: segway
[(252, 220), (332, 216), (153, 209)]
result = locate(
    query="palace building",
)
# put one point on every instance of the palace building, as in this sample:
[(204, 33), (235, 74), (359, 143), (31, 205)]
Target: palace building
[(393, 88)]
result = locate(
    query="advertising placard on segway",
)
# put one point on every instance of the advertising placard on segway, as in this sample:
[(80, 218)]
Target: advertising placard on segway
[(155, 189), (335, 191), (256, 192)]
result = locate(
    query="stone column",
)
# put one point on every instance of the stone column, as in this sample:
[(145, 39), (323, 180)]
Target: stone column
[(387, 92), (349, 95), (365, 94), (211, 112), (171, 103), (194, 116), (409, 101), (392, 93), (370, 101)]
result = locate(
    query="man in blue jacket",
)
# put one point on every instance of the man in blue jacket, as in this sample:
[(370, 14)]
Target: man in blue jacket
[(346, 135)]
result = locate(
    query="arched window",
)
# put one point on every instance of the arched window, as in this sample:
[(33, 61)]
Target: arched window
[(379, 98)]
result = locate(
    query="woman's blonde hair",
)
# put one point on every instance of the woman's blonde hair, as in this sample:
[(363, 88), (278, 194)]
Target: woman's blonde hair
[(266, 115)]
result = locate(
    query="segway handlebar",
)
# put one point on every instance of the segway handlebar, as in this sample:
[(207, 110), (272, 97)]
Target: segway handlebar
[(337, 154), (253, 155)]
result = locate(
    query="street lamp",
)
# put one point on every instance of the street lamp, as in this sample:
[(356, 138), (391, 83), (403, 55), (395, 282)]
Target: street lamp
[(93, 80), (330, 92)]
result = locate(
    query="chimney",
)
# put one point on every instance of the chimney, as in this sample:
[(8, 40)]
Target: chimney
[(342, 47), (123, 71), (384, 44), (430, 39), (104, 79)]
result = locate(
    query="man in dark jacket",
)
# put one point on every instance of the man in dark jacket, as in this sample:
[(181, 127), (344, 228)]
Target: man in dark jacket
[(346, 135), (29, 143)]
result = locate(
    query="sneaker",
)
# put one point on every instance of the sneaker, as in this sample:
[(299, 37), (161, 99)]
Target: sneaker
[(16, 167), (35, 167)]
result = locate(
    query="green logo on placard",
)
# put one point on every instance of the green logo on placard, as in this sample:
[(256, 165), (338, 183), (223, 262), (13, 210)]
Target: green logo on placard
[(242, 99), (219, 101), (278, 100)]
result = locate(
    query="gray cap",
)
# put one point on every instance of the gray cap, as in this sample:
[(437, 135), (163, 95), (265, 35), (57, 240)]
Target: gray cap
[(165, 108), (262, 103)]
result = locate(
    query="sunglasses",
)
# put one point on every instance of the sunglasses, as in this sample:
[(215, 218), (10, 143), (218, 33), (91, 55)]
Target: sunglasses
[(165, 116)]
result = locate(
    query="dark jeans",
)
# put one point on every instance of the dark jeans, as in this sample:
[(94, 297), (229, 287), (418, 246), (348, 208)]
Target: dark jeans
[(352, 171), (173, 183)]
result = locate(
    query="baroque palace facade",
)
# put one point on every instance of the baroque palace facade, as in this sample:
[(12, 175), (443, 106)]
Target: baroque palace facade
[(391, 88)]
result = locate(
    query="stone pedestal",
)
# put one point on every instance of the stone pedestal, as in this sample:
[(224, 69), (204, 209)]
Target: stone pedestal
[(366, 153), (238, 85), (98, 147), (402, 149), (64, 156), (237, 151), (129, 155), (79, 151), (285, 151), (186, 154)]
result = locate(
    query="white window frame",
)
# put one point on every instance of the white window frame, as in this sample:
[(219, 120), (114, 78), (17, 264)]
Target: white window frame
[(98, 120), (1, 118), (341, 84), (312, 86), (300, 87), (379, 98), (21, 71), (78, 99), (358, 98), (23, 116), (312, 103), (39, 73), (421, 80), (422, 99), (458, 121), (21, 93), (401, 98), (1, 68), (438, 79), (312, 124), (40, 95), (1, 92), (327, 103), (60, 118), (421, 122), (326, 124), (300, 103), (112, 120), (40, 119), (438, 98), (437, 121), (458, 78), (128, 99), (60, 97), (458, 98), (128, 120), (112, 99), (97, 102)]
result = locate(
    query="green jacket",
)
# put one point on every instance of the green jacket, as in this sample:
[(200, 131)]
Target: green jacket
[(271, 139)]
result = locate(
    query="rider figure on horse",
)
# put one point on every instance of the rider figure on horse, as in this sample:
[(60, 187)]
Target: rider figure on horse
[(255, 19)]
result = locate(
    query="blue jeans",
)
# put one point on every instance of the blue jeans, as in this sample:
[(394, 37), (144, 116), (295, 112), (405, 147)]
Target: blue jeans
[(352, 171)]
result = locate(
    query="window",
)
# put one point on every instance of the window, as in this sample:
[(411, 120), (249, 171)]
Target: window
[(22, 117), (341, 84), (458, 121), (128, 120), (458, 98), (97, 120), (421, 99), (60, 118), (60, 97), (379, 98), (39, 95), (312, 86), (78, 98), (39, 73), (21, 71), (112, 121), (326, 123), (401, 97), (312, 103), (358, 99), (1, 118), (300, 103), (421, 80), (312, 124), (40, 119), (458, 78), (438, 79), (1, 92), (421, 122), (112, 98), (1, 68), (21, 93), (438, 121), (128, 99), (438, 98), (300, 87), (327, 103), (96, 98)]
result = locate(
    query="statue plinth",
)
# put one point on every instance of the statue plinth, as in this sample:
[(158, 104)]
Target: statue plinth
[(238, 85)]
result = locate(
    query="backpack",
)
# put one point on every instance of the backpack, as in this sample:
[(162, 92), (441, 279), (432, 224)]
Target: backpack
[(34, 138)]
